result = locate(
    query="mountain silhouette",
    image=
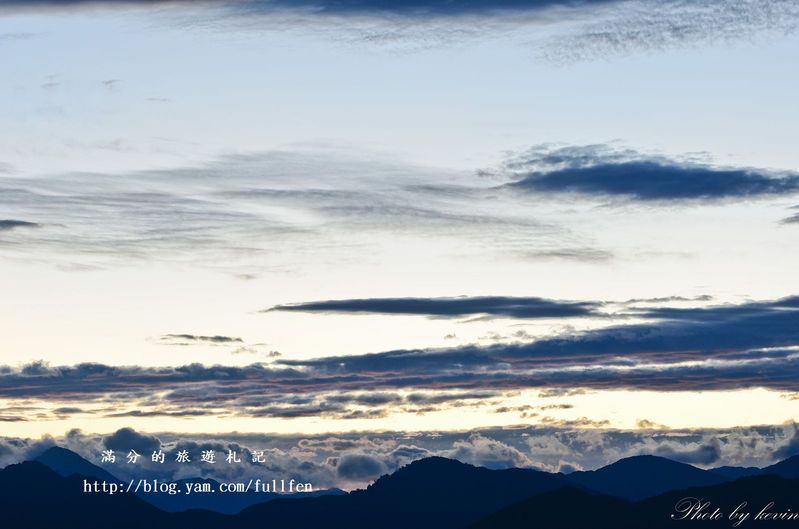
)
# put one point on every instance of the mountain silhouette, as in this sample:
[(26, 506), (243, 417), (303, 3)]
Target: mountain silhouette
[(34, 496), (218, 502), (67, 463), (787, 468), (429, 493), (572, 508), (639, 477), (566, 508), (736, 472), (226, 503), (756, 491)]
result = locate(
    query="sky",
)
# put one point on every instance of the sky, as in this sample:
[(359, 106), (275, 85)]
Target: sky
[(317, 218)]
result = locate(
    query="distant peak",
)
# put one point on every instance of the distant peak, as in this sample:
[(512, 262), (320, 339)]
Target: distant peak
[(58, 450), (58, 453), (436, 461), (646, 459)]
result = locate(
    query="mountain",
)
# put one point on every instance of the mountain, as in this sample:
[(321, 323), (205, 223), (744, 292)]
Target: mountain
[(217, 502), (32, 496), (66, 463), (756, 491), (571, 508), (787, 468), (639, 477), (226, 503), (430, 493), (733, 473), (566, 508)]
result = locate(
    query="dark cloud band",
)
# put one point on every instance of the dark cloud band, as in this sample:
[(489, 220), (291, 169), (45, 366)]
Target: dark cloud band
[(514, 307), (721, 347), (338, 7), (598, 171), (195, 338), (11, 224)]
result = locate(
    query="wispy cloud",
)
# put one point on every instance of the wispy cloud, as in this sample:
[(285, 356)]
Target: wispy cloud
[(237, 209), (560, 30), (793, 219), (242, 207), (16, 36), (583, 255), (653, 25)]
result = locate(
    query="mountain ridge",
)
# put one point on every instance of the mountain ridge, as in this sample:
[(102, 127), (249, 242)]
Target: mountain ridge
[(428, 493)]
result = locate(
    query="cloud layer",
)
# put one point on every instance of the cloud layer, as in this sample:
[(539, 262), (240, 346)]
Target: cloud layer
[(411, 7), (722, 347), (323, 204), (559, 30), (354, 459), (237, 209)]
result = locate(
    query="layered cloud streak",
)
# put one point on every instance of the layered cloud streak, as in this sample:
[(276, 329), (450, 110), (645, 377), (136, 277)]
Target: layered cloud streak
[(721, 347)]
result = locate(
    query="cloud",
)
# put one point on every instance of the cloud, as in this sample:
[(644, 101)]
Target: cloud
[(14, 36), (160, 413), (715, 347), (236, 209), (329, 205), (705, 455), (790, 447), (188, 339), (11, 224), (597, 171), (671, 299), (584, 255), (354, 459), (438, 398), (68, 410), (421, 8), (411, 8), (126, 439), (558, 30), (487, 452), (500, 306), (646, 424), (112, 84), (656, 25), (359, 467), (369, 399), (793, 219)]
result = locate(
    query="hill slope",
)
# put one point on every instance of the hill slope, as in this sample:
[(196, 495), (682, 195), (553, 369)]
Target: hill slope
[(639, 477)]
